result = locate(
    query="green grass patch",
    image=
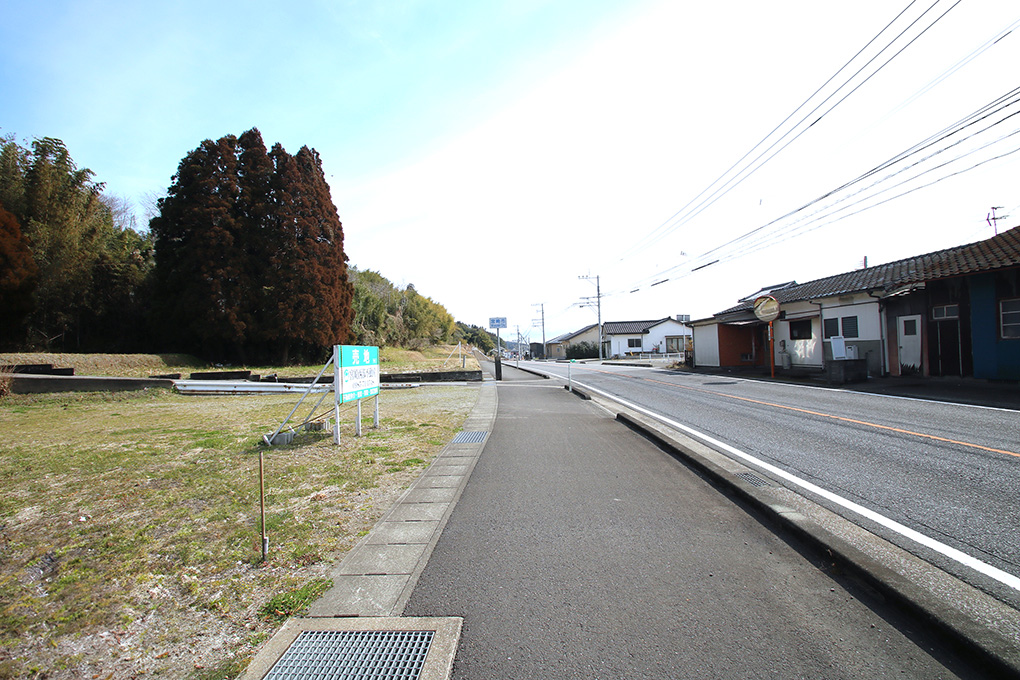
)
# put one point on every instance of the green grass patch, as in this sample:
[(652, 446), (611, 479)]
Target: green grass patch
[(283, 606)]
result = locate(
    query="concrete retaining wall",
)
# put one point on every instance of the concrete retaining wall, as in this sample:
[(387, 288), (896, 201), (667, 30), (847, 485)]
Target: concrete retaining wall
[(40, 384)]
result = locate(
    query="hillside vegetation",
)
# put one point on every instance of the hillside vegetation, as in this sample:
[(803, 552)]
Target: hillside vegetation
[(243, 262)]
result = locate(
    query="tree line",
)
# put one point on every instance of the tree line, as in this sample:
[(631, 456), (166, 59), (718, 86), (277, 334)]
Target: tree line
[(243, 261)]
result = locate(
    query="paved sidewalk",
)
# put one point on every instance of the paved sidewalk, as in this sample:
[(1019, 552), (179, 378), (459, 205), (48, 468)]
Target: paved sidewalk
[(581, 550), (376, 577)]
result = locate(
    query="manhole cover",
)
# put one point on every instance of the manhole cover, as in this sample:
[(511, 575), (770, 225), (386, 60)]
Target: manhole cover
[(469, 437), (354, 655)]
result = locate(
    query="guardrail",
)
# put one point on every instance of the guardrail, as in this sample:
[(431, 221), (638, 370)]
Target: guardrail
[(678, 356)]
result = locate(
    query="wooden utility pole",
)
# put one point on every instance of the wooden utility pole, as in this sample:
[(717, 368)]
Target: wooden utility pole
[(598, 304)]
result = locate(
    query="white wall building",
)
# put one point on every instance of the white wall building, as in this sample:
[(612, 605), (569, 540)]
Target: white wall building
[(658, 336)]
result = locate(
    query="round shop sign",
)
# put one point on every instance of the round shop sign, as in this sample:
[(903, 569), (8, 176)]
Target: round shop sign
[(766, 308)]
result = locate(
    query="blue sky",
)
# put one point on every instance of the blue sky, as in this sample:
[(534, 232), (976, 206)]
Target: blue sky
[(492, 152)]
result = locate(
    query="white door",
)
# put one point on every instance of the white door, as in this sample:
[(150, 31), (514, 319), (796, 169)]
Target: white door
[(910, 341)]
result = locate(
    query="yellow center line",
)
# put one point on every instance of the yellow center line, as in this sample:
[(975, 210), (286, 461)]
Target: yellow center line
[(829, 416), (842, 419)]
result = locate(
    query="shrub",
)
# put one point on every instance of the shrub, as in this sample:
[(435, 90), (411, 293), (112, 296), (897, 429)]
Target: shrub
[(583, 350)]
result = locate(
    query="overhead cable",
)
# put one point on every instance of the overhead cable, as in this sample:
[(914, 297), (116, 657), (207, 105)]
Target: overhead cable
[(694, 207), (999, 111)]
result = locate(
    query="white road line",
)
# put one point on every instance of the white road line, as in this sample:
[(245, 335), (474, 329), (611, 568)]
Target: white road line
[(952, 553)]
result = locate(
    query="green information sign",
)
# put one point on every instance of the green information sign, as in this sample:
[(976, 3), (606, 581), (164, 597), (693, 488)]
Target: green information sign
[(357, 372)]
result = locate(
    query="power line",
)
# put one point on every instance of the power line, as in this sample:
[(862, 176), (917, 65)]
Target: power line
[(760, 237), (974, 54), (688, 212), (900, 158)]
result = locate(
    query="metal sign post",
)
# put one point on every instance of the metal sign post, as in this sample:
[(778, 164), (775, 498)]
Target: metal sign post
[(772, 349), (498, 322), (262, 506), (337, 399), (766, 308)]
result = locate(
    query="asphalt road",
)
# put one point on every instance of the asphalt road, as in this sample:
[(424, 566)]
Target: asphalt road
[(580, 550), (948, 471)]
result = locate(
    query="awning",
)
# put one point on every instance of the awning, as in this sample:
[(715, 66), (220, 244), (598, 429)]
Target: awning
[(813, 314)]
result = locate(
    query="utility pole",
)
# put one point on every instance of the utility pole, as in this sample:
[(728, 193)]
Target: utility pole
[(598, 304), (993, 221), (518, 346), (541, 307)]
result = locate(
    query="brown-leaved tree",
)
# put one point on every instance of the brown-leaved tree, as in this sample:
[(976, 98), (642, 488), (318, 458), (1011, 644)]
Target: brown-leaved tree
[(249, 255)]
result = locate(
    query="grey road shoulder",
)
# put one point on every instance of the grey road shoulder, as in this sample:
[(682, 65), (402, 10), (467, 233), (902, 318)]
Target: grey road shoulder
[(964, 614)]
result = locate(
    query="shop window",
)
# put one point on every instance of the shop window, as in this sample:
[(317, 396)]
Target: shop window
[(800, 330), (1009, 318)]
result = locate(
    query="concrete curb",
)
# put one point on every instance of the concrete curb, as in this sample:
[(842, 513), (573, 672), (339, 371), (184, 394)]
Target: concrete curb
[(378, 574), (957, 612)]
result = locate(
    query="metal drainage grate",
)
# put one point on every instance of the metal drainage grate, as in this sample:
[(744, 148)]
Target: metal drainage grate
[(354, 655), (752, 480), (469, 437)]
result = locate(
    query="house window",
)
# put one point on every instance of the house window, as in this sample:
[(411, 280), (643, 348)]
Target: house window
[(830, 328), (910, 327), (800, 330), (945, 312), (849, 326), (1009, 318), (633, 342)]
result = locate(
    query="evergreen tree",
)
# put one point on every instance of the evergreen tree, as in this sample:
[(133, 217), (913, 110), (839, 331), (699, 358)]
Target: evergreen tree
[(249, 254), (199, 254), (257, 243), (320, 260)]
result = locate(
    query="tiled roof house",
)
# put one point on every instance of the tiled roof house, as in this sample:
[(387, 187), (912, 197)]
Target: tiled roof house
[(557, 347), (656, 336), (951, 312)]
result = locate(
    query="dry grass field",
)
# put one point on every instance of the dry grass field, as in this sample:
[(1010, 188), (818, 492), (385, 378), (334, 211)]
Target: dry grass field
[(129, 523)]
